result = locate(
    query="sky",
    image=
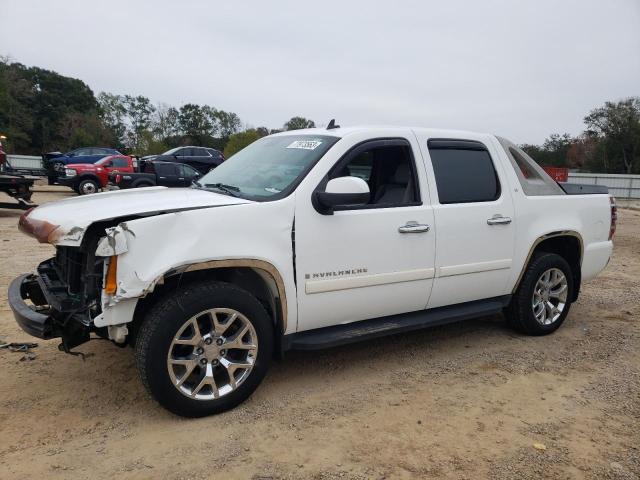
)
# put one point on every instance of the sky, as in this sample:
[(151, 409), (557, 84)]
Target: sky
[(522, 69)]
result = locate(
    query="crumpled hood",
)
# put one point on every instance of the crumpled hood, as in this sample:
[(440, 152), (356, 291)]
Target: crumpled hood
[(64, 222)]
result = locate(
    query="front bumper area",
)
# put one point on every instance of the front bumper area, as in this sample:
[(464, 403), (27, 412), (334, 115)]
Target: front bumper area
[(49, 317), (71, 182), (37, 324)]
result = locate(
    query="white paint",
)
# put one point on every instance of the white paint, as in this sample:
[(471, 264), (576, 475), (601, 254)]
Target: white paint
[(80, 212), (474, 267), (346, 283), (472, 259), (347, 185)]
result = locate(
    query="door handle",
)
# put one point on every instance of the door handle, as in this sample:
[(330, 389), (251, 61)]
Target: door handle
[(413, 227), (498, 219)]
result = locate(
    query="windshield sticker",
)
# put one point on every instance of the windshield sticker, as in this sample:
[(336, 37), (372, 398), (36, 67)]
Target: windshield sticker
[(305, 144)]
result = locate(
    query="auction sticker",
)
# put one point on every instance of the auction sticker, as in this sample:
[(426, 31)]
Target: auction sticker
[(305, 144)]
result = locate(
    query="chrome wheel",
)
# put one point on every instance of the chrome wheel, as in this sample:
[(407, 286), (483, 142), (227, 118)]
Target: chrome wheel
[(212, 354), (549, 296), (88, 188)]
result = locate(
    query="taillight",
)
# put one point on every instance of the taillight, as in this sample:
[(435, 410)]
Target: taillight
[(614, 216), (118, 178)]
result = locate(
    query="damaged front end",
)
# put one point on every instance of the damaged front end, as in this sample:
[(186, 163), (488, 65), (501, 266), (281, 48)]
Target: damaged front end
[(78, 292), (64, 297)]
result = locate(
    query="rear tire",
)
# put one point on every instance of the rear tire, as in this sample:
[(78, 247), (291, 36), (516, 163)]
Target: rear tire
[(193, 342), (543, 298)]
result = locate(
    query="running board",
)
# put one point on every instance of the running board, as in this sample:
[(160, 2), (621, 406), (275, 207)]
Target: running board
[(378, 327)]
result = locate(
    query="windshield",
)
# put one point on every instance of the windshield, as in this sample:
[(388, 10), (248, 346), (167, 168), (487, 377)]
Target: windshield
[(104, 160), (268, 166)]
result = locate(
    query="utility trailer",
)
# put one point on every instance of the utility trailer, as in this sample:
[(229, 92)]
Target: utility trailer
[(18, 187)]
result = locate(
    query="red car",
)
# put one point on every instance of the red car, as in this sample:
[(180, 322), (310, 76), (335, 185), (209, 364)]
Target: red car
[(87, 178)]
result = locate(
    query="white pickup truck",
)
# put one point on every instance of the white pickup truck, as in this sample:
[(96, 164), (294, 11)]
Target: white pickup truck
[(309, 239)]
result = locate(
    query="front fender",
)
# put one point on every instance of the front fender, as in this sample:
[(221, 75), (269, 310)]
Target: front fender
[(150, 248)]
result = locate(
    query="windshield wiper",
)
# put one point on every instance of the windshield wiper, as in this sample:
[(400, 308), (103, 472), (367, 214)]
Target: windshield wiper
[(229, 189)]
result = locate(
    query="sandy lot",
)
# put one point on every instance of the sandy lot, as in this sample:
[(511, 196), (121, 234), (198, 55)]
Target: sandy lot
[(463, 401)]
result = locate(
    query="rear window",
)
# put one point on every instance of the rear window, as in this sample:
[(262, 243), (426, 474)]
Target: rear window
[(533, 179), (120, 162), (464, 171)]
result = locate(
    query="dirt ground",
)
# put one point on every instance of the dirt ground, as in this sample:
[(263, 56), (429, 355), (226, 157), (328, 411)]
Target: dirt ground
[(463, 401)]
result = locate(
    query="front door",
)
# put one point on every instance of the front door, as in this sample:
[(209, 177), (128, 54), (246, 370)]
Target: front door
[(373, 260)]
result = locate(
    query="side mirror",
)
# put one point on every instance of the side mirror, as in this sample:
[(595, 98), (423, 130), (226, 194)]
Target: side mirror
[(341, 192)]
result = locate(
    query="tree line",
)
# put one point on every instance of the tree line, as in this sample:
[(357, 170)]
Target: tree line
[(41, 111), (610, 142)]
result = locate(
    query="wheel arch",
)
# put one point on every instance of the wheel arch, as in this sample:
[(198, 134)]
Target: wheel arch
[(258, 277), (88, 176), (566, 243)]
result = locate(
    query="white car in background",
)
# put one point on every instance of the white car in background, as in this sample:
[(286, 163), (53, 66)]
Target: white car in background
[(309, 239)]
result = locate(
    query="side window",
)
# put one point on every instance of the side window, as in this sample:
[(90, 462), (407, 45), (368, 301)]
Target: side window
[(165, 169), (464, 171), (120, 162), (186, 171), (200, 152), (388, 168), (533, 179), (361, 166)]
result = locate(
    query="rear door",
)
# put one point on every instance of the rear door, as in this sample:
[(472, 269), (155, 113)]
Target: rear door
[(201, 160), (474, 217), (182, 156), (167, 174)]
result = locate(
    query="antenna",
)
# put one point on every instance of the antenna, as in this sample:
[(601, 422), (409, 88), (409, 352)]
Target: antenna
[(332, 124)]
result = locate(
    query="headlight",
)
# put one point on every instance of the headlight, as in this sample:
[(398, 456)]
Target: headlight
[(70, 172)]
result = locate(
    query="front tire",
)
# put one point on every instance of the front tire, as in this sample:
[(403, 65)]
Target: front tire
[(204, 349), (543, 298), (87, 187)]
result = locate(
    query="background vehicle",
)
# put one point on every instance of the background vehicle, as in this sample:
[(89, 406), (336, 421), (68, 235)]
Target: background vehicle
[(201, 158), (306, 240), (55, 162), (163, 174), (16, 186), (86, 178)]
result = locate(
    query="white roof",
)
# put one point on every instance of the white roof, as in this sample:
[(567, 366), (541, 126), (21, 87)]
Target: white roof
[(345, 131)]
